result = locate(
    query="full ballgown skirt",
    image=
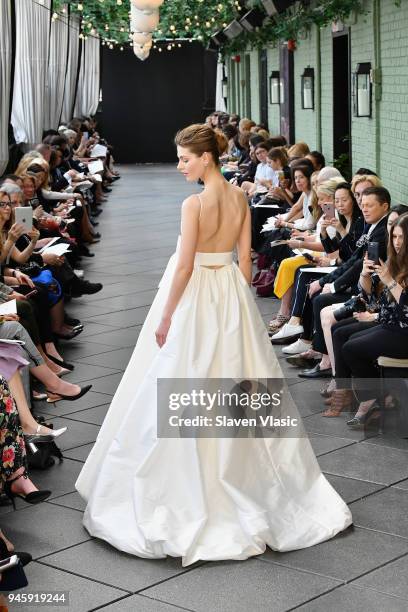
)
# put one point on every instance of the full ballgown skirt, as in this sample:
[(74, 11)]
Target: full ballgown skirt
[(203, 498)]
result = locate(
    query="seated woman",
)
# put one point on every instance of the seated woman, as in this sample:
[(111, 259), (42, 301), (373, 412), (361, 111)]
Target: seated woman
[(57, 389), (49, 289), (13, 464), (381, 307), (285, 277), (264, 178), (348, 226), (300, 217), (22, 252)]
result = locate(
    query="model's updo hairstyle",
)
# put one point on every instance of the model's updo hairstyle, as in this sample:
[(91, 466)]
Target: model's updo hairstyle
[(200, 138)]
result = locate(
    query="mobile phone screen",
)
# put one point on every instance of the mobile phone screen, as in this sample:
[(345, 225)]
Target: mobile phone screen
[(373, 252)]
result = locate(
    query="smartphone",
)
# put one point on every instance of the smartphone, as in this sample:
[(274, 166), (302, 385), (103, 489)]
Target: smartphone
[(24, 216), (329, 210), (308, 256), (373, 252), (9, 562), (33, 292)]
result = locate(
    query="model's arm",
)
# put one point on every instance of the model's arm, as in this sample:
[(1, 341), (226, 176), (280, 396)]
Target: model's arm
[(244, 246), (185, 265)]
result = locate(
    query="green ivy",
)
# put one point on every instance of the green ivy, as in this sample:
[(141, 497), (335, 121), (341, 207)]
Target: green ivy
[(200, 19)]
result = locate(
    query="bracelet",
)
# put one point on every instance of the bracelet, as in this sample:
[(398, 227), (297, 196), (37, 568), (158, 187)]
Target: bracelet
[(392, 285), (365, 275)]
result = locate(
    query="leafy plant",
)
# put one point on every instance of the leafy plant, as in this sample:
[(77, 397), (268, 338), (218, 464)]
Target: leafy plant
[(200, 19)]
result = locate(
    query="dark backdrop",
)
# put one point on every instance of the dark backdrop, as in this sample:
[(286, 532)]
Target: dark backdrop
[(145, 103)]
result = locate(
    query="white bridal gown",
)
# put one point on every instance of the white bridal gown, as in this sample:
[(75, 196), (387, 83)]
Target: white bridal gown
[(203, 498)]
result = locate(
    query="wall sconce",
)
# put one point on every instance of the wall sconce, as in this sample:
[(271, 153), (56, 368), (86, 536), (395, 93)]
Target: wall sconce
[(225, 87), (307, 88), (274, 87), (362, 88)]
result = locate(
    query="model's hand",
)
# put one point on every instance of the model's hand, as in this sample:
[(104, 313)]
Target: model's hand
[(326, 289), (162, 331)]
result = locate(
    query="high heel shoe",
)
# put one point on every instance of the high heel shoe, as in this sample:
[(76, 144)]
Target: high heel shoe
[(61, 363), (73, 334), (68, 398), (46, 437), (35, 497), (361, 421), (341, 399)]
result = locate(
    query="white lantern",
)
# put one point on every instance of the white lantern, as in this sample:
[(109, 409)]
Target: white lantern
[(141, 53), (147, 6), (142, 22), (141, 38)]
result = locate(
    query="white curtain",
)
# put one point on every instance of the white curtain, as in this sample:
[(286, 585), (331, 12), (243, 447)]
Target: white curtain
[(5, 75), (72, 70), (87, 98), (57, 67), (31, 66), (219, 100)]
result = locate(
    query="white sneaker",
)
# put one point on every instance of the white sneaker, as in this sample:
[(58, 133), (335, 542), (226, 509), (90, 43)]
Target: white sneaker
[(287, 331), (300, 346)]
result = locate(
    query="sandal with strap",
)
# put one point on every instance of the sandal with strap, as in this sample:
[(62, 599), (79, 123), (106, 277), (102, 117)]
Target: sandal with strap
[(277, 323), (341, 399), (35, 497)]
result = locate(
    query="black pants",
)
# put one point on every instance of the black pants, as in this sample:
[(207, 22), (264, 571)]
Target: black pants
[(361, 353), (301, 303), (320, 301), (341, 333)]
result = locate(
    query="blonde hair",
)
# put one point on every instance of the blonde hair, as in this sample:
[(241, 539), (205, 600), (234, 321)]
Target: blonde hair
[(362, 178), (200, 138), (263, 133), (299, 149), (329, 187)]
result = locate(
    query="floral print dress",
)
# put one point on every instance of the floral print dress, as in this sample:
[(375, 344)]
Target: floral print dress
[(12, 446)]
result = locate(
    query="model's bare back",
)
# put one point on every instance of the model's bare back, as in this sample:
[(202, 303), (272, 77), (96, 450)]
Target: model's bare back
[(221, 219)]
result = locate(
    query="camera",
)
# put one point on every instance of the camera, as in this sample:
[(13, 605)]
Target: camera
[(354, 304)]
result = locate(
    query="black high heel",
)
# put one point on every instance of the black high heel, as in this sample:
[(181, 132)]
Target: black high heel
[(68, 398), (35, 497), (61, 363), (75, 332)]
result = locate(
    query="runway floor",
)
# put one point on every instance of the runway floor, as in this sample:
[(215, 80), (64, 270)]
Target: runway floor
[(363, 569)]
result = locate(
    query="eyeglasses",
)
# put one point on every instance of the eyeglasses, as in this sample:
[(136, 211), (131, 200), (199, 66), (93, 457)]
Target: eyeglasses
[(5, 203)]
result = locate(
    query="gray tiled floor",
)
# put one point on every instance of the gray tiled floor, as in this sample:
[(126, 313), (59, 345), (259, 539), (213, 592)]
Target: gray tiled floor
[(139, 233)]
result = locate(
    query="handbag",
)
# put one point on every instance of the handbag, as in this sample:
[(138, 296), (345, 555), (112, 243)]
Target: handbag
[(43, 457), (266, 289), (46, 280), (259, 278)]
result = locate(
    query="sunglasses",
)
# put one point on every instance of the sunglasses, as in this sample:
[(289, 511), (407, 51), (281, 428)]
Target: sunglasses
[(5, 203)]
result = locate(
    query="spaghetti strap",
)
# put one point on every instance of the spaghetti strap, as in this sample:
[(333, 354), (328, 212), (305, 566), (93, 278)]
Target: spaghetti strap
[(201, 205)]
